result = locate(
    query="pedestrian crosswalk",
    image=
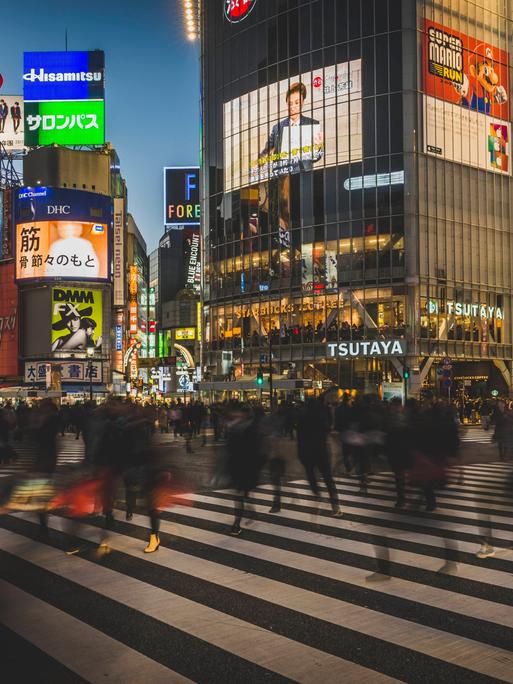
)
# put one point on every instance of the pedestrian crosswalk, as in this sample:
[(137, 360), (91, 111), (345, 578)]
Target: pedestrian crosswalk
[(70, 452), (477, 435), (379, 595)]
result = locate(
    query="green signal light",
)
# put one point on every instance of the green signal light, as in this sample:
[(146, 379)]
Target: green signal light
[(260, 378)]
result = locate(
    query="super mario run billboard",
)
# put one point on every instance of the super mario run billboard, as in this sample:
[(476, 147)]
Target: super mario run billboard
[(465, 71), (466, 103)]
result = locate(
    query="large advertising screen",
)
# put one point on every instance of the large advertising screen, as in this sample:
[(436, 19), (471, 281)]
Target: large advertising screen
[(63, 75), (181, 196), (466, 101), (294, 125), (77, 319), (11, 122), (62, 234)]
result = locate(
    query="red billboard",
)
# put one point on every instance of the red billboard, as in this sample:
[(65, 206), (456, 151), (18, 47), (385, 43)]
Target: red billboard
[(9, 323), (466, 71)]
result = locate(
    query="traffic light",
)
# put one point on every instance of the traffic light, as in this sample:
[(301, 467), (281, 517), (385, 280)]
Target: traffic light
[(260, 378), (406, 373)]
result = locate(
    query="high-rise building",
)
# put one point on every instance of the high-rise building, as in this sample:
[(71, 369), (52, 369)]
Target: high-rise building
[(356, 189)]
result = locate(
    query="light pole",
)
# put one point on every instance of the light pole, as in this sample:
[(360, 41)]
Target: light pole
[(90, 355)]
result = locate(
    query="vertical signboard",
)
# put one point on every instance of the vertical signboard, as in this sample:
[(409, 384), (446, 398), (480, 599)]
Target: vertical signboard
[(119, 252), (9, 325), (133, 300), (192, 259), (466, 100)]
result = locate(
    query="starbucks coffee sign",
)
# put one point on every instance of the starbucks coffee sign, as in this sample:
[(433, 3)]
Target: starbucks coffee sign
[(366, 349)]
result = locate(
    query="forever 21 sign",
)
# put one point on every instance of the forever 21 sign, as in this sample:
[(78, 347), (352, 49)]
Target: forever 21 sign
[(237, 10), (366, 349)]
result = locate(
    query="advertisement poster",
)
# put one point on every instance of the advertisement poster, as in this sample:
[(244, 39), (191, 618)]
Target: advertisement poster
[(77, 319), (294, 125), (62, 234), (466, 136), (465, 71), (307, 277), (466, 101), (12, 122)]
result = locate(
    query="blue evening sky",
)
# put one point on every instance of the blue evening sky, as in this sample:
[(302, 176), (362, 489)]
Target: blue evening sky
[(152, 83)]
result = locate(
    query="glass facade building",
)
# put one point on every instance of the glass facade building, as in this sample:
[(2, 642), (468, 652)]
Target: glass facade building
[(356, 188)]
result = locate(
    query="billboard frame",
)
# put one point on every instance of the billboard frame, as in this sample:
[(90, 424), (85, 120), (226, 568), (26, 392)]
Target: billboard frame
[(175, 224)]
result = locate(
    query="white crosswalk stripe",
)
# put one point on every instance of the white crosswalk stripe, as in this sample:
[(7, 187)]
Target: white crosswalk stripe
[(295, 597), (477, 435), (70, 452)]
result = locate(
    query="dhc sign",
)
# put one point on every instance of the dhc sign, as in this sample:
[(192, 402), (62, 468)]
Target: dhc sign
[(366, 349)]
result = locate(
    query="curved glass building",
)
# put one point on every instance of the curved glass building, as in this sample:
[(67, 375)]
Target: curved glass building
[(356, 191)]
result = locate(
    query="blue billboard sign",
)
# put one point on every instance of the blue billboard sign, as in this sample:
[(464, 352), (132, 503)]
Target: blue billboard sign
[(41, 203), (182, 196), (52, 76)]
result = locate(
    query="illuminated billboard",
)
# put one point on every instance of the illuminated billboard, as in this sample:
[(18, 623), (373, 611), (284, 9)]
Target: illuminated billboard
[(63, 75), (11, 122), (466, 103), (192, 259), (62, 234), (65, 123), (181, 196), (77, 319), (64, 98), (301, 123)]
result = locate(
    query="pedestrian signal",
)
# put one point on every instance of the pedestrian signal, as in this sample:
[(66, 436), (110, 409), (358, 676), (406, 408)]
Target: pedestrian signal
[(260, 378), (406, 373)]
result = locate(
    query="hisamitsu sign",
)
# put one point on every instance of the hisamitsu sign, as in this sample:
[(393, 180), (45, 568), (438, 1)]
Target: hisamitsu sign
[(50, 76), (366, 349)]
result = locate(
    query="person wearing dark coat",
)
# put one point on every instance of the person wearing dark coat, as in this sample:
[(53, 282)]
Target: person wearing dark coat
[(314, 422), (245, 458)]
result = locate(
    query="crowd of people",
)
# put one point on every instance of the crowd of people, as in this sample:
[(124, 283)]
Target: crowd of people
[(418, 442)]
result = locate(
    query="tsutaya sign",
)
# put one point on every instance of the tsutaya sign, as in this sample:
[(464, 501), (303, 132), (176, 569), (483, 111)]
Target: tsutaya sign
[(469, 310), (366, 348)]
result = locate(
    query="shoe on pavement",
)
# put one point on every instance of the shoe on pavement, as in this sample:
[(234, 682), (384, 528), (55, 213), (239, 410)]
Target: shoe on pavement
[(485, 551), (235, 531), (275, 509), (337, 513), (102, 550), (153, 544), (73, 550), (377, 577), (129, 516)]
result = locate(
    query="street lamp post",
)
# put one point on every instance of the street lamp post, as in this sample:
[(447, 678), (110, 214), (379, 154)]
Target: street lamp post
[(90, 354)]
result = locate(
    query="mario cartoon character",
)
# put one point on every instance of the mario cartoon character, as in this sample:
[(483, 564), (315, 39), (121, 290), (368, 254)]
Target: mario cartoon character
[(481, 88)]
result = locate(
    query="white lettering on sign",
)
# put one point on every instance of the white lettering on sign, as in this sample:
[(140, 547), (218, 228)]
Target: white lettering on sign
[(60, 122), (58, 76), (62, 209), (366, 348), (467, 310)]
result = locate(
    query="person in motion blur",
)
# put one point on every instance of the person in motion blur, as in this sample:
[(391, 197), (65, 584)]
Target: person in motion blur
[(44, 429), (244, 457), (314, 422)]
